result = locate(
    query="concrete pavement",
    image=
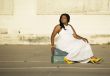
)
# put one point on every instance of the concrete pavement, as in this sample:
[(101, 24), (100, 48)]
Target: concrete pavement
[(34, 60)]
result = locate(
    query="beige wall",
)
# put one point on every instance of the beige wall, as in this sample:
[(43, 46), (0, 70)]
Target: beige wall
[(6, 7), (84, 7), (26, 20)]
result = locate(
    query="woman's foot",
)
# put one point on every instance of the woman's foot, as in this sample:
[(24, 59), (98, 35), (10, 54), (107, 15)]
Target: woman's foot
[(68, 61), (95, 60), (98, 60)]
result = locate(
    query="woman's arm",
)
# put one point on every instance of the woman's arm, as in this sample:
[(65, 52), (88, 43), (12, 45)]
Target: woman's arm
[(55, 31), (75, 35)]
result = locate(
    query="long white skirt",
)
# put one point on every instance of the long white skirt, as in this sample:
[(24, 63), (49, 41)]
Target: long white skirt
[(77, 49)]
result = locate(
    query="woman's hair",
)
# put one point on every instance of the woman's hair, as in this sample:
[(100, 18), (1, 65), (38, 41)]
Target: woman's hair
[(68, 19)]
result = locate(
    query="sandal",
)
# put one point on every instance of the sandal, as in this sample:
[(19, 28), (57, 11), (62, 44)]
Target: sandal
[(68, 61), (95, 60)]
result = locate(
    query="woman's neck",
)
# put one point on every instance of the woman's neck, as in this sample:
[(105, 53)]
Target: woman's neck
[(66, 24)]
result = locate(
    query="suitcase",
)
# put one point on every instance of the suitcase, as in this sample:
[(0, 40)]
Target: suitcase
[(58, 56)]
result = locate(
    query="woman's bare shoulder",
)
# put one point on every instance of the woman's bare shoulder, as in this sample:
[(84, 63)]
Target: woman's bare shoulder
[(71, 26), (58, 26)]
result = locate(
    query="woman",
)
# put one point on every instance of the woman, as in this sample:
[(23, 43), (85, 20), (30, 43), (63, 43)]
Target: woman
[(77, 47)]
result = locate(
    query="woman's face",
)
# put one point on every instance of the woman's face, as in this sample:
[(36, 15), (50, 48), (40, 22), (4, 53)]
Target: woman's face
[(64, 19)]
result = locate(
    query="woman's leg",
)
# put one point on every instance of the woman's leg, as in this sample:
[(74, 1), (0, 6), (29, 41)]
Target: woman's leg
[(82, 53)]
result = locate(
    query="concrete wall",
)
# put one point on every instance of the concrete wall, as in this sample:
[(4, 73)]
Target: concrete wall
[(27, 16), (73, 6)]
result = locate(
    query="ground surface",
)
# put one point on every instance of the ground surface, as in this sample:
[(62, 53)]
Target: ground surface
[(34, 60)]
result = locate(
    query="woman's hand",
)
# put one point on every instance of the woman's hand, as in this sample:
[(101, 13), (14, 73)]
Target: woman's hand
[(84, 39)]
